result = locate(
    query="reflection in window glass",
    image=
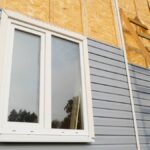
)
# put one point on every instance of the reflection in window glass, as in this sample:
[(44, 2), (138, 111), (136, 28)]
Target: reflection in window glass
[(66, 84), (24, 84)]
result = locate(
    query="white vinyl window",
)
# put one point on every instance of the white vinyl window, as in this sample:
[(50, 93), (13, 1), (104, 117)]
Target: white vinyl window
[(45, 93)]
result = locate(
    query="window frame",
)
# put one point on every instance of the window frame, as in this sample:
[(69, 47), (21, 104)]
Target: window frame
[(11, 21), (8, 66)]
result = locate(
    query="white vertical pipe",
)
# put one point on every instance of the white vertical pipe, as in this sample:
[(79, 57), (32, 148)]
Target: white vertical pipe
[(122, 44)]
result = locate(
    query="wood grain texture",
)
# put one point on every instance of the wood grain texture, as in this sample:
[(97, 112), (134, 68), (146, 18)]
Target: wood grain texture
[(101, 21), (94, 19), (143, 12), (1, 3), (34, 8), (68, 15)]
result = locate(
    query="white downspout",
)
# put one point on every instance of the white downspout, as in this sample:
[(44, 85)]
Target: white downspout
[(122, 44)]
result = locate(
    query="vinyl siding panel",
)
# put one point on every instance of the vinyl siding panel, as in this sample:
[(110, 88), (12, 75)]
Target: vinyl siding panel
[(67, 147), (140, 79), (111, 102)]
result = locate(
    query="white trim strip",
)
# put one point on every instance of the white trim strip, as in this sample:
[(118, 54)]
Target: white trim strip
[(89, 89), (122, 44), (4, 30), (45, 138)]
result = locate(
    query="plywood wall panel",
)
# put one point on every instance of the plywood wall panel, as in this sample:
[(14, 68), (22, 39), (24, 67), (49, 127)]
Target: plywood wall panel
[(144, 14), (1, 3), (136, 59), (101, 24), (128, 6), (132, 8), (143, 10), (67, 14), (92, 18), (133, 56), (38, 9)]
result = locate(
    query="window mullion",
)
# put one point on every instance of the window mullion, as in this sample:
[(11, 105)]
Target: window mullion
[(42, 84), (47, 85)]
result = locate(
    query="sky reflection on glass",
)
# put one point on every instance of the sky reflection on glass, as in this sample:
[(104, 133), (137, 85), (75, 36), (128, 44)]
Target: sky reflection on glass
[(66, 77), (24, 86)]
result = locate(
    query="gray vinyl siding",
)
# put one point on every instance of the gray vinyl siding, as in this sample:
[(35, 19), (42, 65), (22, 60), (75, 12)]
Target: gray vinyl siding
[(111, 102), (113, 118), (140, 78)]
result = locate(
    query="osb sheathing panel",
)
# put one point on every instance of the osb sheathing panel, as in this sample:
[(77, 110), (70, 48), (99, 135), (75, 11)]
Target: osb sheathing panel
[(67, 14), (1, 3), (38, 9), (93, 18), (131, 9), (144, 14), (128, 6), (101, 23), (136, 59), (133, 56)]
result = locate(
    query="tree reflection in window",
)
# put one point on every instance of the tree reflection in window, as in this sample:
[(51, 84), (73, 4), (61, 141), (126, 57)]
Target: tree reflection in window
[(22, 116), (73, 118)]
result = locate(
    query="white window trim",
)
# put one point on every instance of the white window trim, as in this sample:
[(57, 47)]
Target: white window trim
[(54, 135), (9, 53)]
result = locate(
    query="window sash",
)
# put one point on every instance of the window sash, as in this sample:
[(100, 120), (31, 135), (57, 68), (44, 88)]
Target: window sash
[(48, 84), (8, 66), (45, 83), (45, 31)]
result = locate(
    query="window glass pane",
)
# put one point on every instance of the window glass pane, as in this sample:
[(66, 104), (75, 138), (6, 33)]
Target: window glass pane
[(66, 85), (25, 74)]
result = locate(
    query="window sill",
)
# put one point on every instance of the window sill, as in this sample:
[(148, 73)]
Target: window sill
[(45, 138)]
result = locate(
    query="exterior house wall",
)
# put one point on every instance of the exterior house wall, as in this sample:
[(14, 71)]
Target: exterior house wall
[(94, 19), (111, 103), (113, 118)]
